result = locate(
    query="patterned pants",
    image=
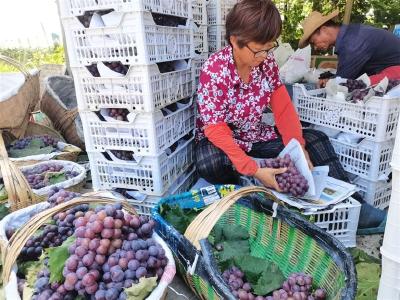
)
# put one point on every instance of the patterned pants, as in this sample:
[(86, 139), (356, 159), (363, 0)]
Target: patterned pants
[(215, 167)]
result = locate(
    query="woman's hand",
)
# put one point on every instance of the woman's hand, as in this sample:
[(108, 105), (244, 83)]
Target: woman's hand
[(310, 164), (267, 177)]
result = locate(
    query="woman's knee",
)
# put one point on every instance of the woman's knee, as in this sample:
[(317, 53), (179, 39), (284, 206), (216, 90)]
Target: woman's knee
[(312, 136)]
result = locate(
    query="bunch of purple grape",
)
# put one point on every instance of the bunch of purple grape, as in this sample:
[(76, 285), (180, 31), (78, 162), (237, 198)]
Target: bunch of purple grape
[(166, 67), (93, 70), (359, 95), (24, 142), (119, 114), (236, 281), (52, 235), (36, 176), (112, 251), (44, 290), (298, 286), (118, 67), (392, 83), (122, 154), (167, 20), (291, 181), (354, 84), (57, 196), (71, 174)]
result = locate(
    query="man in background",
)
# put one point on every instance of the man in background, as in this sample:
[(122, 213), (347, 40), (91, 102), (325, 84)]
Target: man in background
[(360, 48)]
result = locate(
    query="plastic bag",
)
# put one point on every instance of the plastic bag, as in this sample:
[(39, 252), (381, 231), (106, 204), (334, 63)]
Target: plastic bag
[(282, 53), (297, 66)]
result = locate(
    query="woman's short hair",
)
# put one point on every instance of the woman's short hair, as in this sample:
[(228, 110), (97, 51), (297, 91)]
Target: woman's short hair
[(256, 21)]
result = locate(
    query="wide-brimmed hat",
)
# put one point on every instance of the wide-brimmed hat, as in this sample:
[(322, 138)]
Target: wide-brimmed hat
[(314, 21)]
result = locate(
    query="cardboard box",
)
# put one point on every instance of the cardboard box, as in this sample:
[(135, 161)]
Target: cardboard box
[(324, 62)]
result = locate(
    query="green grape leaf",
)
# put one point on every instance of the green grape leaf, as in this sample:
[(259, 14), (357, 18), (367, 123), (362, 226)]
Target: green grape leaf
[(142, 289), (368, 275), (57, 257), (31, 269), (56, 177)]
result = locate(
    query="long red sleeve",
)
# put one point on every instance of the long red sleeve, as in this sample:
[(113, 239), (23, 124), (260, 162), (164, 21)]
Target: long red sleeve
[(286, 118), (221, 136)]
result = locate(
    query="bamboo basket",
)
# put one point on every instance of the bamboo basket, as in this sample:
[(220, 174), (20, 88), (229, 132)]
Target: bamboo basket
[(15, 111), (70, 152), (60, 89), (276, 233), (12, 249), (20, 194)]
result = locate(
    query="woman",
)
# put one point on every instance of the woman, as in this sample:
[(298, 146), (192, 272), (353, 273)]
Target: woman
[(236, 85)]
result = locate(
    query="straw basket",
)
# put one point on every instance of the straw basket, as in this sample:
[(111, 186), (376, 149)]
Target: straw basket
[(70, 152), (12, 248), (15, 111), (59, 103), (19, 192), (276, 234)]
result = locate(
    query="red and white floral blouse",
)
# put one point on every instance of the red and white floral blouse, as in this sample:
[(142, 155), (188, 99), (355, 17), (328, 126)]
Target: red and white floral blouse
[(223, 97)]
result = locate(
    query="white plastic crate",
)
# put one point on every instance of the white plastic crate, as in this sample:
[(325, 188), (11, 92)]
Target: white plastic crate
[(199, 11), (200, 38), (142, 89), (136, 40), (182, 184), (148, 174), (180, 8), (376, 193), (341, 221), (217, 10), (216, 37), (149, 133), (370, 160), (197, 62), (376, 119)]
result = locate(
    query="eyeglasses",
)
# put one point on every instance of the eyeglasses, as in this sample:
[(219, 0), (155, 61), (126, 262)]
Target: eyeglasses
[(264, 53)]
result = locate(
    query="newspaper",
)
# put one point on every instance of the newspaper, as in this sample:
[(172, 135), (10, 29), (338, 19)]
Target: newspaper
[(324, 190)]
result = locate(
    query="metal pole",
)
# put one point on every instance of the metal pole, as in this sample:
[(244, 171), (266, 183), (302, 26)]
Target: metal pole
[(347, 11)]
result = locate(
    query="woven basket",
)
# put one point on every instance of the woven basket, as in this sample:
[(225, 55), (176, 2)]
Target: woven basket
[(294, 244), (15, 111), (20, 194), (70, 152), (59, 103), (12, 248)]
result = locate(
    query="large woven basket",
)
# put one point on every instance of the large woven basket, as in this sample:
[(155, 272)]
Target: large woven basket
[(12, 248), (70, 152), (59, 103), (288, 240), (19, 192), (15, 111)]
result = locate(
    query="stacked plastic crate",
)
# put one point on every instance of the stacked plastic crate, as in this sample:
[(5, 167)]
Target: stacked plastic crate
[(217, 10), (132, 65), (199, 9), (367, 161)]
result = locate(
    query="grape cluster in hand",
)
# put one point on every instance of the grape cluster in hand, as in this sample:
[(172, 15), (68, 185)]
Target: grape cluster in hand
[(291, 181)]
